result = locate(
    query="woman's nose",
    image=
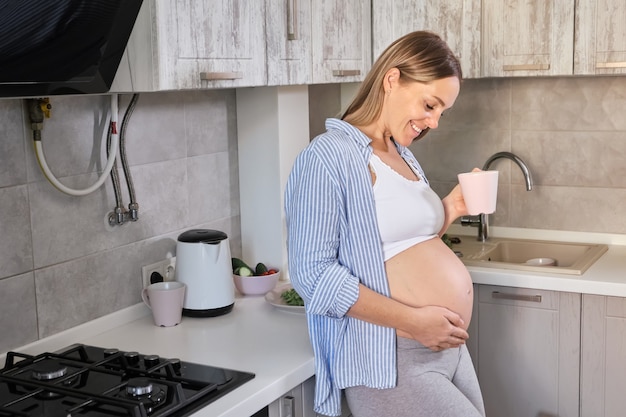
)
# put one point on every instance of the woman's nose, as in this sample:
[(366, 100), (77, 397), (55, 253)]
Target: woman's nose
[(433, 121)]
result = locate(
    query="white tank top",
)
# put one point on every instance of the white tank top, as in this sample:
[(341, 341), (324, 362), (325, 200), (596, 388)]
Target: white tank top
[(408, 211)]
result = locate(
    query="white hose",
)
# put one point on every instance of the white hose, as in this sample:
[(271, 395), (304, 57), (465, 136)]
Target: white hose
[(107, 169)]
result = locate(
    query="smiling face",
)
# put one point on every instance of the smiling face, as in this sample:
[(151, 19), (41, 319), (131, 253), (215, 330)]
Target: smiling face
[(410, 107)]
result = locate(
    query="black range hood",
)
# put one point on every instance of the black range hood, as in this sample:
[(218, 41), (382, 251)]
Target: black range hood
[(57, 47)]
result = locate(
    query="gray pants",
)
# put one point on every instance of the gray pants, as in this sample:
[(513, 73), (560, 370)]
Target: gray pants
[(430, 384)]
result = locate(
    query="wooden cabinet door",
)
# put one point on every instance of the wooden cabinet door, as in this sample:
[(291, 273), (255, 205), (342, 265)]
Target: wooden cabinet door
[(210, 44), (456, 21), (528, 351), (526, 38), (341, 46), (603, 363), (600, 43), (288, 24)]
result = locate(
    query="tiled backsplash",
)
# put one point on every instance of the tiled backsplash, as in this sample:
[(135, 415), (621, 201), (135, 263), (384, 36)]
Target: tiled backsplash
[(569, 130), (61, 264)]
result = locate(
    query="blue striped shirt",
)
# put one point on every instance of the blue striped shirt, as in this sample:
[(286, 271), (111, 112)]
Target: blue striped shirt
[(333, 245)]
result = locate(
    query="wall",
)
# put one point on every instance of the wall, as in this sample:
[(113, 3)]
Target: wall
[(571, 131), (61, 264)]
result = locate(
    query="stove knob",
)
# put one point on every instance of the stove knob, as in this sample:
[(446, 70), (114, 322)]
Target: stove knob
[(110, 352), (132, 358), (175, 365), (150, 360)]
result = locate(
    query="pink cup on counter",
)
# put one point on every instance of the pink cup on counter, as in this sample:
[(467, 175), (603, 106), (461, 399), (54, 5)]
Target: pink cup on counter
[(480, 191), (165, 299)]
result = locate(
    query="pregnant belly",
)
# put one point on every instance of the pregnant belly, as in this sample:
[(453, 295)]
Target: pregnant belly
[(429, 273)]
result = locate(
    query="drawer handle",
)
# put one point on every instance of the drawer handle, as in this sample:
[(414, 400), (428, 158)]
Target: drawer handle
[(292, 20), (517, 297), (526, 67), (213, 76), (621, 64), (346, 73), (288, 406)]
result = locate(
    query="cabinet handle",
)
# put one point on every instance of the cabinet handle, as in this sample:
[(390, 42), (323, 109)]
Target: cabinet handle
[(292, 20), (517, 297), (526, 67), (611, 64), (288, 406), (346, 73), (213, 76)]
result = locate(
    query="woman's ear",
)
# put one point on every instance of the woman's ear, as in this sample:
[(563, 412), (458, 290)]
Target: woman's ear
[(391, 79)]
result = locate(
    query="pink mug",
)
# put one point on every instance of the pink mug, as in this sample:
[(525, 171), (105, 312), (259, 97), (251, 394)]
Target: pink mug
[(480, 191), (165, 299)]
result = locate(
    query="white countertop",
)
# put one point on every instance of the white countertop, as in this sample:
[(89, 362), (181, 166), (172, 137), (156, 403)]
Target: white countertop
[(254, 337)]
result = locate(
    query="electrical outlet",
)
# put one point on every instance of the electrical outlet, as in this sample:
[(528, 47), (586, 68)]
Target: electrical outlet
[(166, 268)]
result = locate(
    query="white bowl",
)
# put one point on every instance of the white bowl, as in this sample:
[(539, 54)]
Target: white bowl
[(256, 285)]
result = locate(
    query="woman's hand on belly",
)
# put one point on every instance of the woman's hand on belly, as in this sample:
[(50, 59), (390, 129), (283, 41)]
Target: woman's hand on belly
[(435, 327)]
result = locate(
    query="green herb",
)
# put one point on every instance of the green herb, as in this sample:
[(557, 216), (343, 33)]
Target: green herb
[(292, 298)]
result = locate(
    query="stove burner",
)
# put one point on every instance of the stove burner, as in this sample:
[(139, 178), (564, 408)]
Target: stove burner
[(139, 386), (46, 371), (142, 390)]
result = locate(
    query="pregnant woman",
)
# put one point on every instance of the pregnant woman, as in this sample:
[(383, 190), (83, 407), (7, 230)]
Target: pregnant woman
[(387, 302)]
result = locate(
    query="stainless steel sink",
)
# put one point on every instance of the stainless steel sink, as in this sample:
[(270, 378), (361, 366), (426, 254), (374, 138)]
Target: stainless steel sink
[(569, 258)]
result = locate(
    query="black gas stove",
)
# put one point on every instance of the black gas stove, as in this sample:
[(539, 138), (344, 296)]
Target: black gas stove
[(83, 380)]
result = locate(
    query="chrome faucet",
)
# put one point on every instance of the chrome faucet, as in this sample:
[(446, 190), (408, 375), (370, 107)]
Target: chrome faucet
[(482, 220)]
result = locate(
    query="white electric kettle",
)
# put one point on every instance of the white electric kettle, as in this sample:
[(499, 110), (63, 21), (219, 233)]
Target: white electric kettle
[(204, 265)]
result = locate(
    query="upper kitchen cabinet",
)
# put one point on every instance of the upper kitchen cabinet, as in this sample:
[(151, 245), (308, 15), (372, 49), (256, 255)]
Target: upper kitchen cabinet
[(339, 51), (342, 45), (456, 21), (526, 38), (288, 42), (600, 44), (194, 44)]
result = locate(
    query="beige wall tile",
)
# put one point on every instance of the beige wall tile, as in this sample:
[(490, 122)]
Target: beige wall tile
[(585, 209), (568, 103), (592, 159)]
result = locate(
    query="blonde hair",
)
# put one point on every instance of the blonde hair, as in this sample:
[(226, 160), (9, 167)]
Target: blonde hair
[(420, 56)]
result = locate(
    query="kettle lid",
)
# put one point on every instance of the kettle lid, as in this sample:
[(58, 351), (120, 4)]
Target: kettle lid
[(211, 237)]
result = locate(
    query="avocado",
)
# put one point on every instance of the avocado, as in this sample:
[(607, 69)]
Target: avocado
[(260, 269)]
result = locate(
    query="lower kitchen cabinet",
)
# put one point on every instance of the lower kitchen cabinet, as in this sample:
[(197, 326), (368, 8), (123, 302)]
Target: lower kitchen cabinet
[(298, 402), (603, 360), (525, 345)]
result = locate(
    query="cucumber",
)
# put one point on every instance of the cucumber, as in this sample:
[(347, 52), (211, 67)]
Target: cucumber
[(238, 263), (244, 271), (260, 269)]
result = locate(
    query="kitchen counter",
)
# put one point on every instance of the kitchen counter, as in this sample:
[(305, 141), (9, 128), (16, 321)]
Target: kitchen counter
[(255, 337)]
